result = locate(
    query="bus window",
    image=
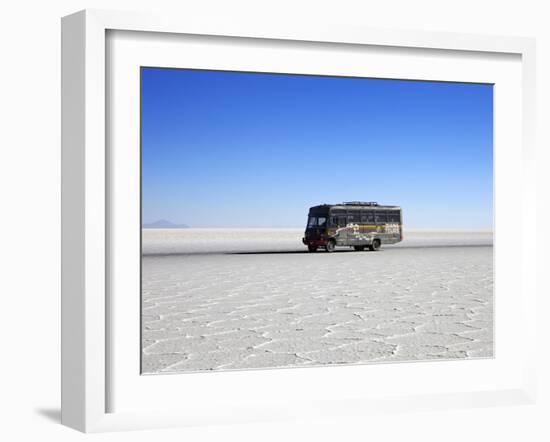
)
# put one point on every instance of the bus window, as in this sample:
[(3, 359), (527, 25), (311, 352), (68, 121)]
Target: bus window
[(393, 217), (312, 222), (342, 221), (321, 221), (367, 217), (380, 217), (354, 217)]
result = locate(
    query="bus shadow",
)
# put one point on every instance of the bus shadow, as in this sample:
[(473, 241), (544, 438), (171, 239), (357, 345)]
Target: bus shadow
[(287, 252), (319, 252), (322, 252)]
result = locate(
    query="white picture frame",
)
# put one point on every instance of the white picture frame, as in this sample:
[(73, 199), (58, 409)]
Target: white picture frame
[(86, 204)]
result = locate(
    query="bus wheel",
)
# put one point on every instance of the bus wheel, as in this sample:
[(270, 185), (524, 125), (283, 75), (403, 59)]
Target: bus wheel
[(330, 246), (312, 248), (375, 245), (359, 248)]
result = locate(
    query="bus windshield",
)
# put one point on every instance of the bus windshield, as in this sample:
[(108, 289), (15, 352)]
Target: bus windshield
[(317, 221)]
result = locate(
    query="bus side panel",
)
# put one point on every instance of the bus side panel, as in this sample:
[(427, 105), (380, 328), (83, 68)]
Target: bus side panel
[(360, 229)]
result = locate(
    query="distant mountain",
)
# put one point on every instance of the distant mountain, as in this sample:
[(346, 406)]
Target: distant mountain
[(164, 224)]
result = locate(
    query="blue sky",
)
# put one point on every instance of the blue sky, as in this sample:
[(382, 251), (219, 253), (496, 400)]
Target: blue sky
[(234, 149)]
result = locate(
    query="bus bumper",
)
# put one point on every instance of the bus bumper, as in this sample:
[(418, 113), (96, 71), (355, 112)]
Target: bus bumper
[(319, 242)]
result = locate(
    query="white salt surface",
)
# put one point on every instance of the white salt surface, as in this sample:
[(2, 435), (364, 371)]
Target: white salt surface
[(250, 298)]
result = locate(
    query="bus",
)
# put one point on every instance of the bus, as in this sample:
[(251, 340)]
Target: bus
[(357, 224)]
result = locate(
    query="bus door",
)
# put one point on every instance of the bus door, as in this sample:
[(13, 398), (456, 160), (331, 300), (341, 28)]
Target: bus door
[(341, 223), (353, 230)]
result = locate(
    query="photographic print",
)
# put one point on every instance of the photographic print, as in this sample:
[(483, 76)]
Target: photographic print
[(308, 220)]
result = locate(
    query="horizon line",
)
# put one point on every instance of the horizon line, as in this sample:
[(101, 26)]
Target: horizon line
[(446, 229)]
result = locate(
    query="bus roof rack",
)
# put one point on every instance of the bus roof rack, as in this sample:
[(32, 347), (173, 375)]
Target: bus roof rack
[(360, 203)]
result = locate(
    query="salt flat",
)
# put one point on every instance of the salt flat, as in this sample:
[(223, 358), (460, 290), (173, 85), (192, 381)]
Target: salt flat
[(217, 299)]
